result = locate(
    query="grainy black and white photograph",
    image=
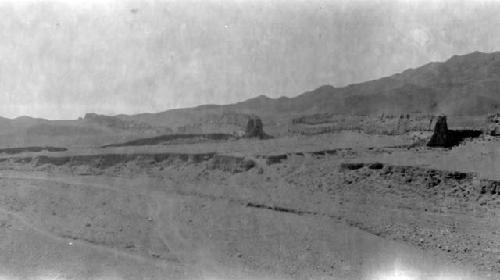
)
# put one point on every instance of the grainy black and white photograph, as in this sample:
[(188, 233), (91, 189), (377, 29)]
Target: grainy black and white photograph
[(249, 140)]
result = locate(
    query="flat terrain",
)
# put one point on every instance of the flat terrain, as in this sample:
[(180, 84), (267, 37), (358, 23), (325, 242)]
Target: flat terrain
[(345, 139), (360, 212)]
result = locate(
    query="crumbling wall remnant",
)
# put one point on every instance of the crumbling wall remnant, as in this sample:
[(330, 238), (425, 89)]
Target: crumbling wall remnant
[(255, 128), (440, 137)]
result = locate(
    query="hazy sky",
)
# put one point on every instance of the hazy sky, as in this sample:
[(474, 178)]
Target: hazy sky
[(61, 59)]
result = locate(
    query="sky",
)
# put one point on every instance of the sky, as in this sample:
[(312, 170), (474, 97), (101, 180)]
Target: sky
[(62, 59)]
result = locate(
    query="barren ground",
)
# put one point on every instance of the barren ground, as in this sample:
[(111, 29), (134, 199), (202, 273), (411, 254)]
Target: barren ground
[(310, 216)]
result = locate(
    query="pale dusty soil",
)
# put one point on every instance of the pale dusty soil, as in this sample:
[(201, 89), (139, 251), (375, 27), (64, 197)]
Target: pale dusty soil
[(151, 229), (304, 218)]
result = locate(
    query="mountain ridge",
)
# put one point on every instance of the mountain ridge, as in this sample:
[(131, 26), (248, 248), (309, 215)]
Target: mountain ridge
[(463, 85), (452, 75)]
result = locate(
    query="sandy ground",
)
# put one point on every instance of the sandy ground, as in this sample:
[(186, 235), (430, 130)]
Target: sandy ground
[(304, 218), (347, 139), (58, 227)]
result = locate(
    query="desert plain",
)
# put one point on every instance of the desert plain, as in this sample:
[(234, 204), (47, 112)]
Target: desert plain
[(343, 205), (107, 171)]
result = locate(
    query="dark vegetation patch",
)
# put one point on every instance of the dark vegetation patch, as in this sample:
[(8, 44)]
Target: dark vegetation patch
[(175, 138), (36, 149)]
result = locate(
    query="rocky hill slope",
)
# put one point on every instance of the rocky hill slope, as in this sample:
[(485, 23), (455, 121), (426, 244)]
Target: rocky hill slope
[(462, 85)]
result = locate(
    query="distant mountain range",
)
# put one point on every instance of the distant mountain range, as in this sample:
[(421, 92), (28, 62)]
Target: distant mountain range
[(463, 85)]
